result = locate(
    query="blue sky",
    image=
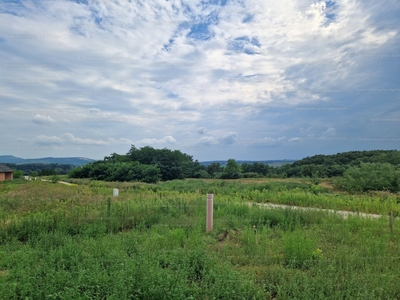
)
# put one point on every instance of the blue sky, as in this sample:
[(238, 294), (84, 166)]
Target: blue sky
[(253, 80)]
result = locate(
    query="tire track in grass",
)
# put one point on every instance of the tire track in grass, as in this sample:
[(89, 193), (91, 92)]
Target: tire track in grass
[(344, 213)]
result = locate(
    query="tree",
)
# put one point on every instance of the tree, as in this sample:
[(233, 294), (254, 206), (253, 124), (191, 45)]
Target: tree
[(172, 164), (335, 165), (370, 176), (232, 170), (18, 174), (80, 172), (201, 174), (47, 172), (145, 164), (214, 168), (259, 168)]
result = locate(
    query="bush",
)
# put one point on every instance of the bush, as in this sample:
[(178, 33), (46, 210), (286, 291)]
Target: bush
[(18, 174), (201, 174), (118, 171), (54, 179), (298, 250), (251, 175), (369, 177)]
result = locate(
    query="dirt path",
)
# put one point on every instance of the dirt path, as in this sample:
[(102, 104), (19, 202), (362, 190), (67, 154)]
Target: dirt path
[(66, 183), (62, 182), (345, 214)]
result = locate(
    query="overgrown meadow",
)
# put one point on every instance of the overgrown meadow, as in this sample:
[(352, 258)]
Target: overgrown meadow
[(80, 242)]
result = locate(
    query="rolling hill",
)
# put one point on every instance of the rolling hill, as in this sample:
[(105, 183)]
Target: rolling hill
[(76, 161)]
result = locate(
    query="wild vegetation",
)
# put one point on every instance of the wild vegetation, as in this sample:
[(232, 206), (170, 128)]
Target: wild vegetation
[(78, 242), (42, 169), (357, 171), (327, 166), (370, 177)]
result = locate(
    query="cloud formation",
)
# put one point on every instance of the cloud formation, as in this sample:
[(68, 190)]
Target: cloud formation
[(39, 119), (248, 78)]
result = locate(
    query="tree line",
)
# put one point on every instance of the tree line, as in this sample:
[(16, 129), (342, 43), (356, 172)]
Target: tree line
[(327, 166), (41, 169), (148, 164), (356, 171)]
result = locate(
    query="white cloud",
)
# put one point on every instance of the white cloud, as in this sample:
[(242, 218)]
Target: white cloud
[(228, 138), (263, 141), (133, 69), (331, 131), (125, 141), (165, 140), (68, 138), (208, 140), (43, 139), (39, 119), (295, 139)]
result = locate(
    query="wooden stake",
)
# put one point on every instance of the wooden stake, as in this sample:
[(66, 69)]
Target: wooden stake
[(209, 221)]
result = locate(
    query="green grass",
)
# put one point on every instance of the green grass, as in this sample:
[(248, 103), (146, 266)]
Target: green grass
[(290, 192), (79, 242)]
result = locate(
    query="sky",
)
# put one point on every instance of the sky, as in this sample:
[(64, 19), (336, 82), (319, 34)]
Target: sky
[(216, 79)]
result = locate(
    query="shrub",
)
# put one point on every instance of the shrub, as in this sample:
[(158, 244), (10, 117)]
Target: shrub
[(251, 175), (54, 179), (18, 174), (299, 250), (369, 177)]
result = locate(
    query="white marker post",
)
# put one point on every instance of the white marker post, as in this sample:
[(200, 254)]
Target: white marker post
[(209, 221), (115, 192)]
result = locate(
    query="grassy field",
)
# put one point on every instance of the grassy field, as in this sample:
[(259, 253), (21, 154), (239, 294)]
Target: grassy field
[(79, 242)]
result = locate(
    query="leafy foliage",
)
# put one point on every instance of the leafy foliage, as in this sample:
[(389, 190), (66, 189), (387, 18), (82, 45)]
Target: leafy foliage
[(18, 174), (150, 165), (118, 171), (214, 168), (42, 169), (232, 170), (335, 165), (370, 176), (172, 164)]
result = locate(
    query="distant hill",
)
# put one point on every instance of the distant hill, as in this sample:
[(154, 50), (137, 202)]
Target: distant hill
[(336, 164), (76, 161), (353, 158), (272, 163)]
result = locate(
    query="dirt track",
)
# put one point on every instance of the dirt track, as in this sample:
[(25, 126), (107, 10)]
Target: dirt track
[(343, 213)]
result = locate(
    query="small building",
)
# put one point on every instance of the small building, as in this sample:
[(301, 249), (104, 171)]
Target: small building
[(6, 173)]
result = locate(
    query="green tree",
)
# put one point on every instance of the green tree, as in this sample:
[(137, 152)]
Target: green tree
[(47, 172), (214, 168), (80, 172), (201, 174), (370, 176), (55, 178), (335, 165), (18, 174), (257, 167), (232, 170), (172, 164)]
